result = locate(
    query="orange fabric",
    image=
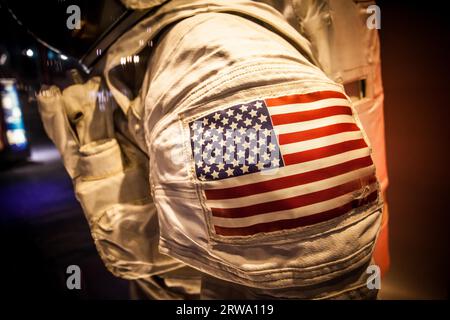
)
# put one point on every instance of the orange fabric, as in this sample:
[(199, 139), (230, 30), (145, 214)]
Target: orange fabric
[(381, 252)]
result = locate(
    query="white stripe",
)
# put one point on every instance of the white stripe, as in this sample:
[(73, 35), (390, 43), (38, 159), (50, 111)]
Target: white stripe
[(287, 170), (299, 107), (291, 191), (320, 142), (291, 213), (313, 124)]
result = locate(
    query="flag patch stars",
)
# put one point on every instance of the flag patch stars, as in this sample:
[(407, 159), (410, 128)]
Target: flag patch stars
[(235, 141), (324, 165)]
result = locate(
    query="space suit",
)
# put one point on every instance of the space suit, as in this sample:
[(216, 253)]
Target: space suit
[(238, 160), (347, 47)]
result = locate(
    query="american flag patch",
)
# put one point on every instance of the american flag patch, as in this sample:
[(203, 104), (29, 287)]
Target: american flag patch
[(282, 163)]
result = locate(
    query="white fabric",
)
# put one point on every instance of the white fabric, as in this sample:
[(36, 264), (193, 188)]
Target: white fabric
[(142, 4), (213, 61), (211, 56), (347, 51), (110, 181)]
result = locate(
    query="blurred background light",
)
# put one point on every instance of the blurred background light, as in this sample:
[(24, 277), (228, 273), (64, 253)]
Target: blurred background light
[(3, 59), (29, 53)]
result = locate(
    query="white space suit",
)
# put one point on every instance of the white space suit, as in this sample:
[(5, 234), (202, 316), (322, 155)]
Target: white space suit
[(237, 159)]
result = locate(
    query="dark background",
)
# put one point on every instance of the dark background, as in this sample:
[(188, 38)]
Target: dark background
[(415, 65), (43, 230)]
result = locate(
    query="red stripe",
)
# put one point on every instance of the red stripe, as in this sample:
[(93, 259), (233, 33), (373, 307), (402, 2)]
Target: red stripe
[(286, 118), (289, 181), (286, 138), (298, 222), (323, 152), (304, 98), (293, 202)]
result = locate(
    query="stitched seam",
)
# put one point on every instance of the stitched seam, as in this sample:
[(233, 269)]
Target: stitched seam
[(172, 250), (219, 80), (214, 83), (182, 36)]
